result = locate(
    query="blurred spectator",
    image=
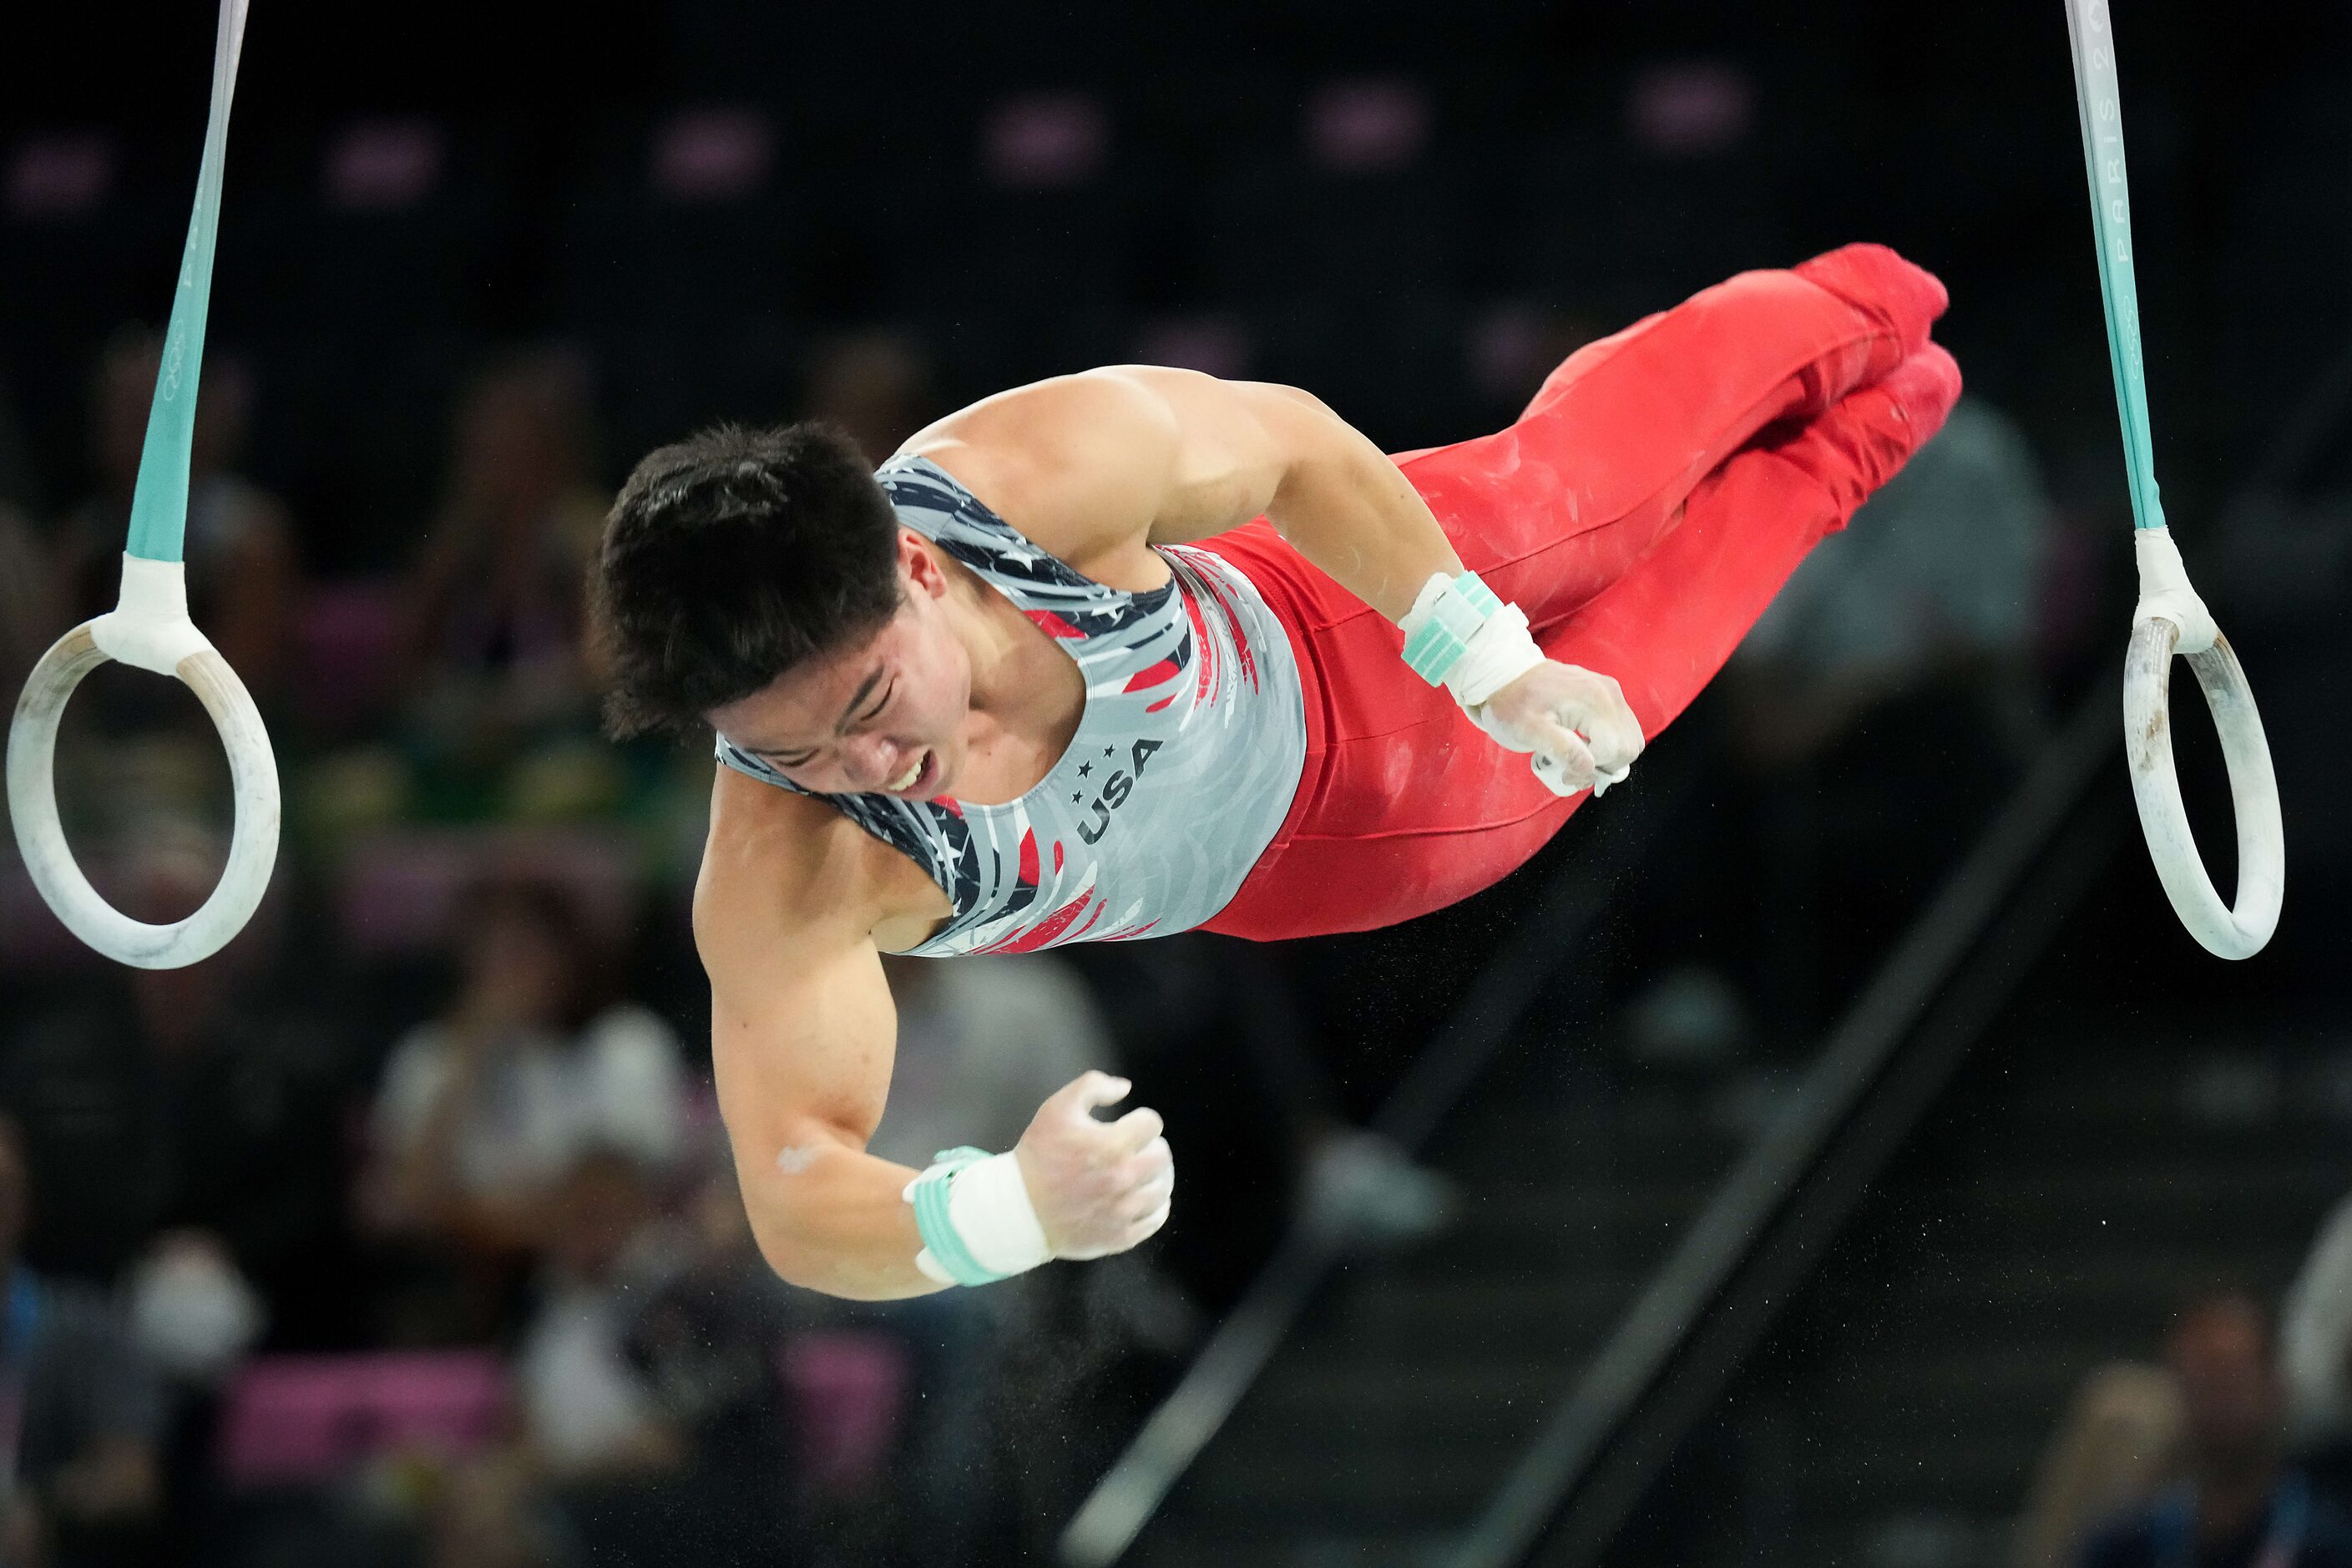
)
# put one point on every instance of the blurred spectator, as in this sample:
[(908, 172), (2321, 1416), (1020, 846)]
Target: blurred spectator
[(483, 1111), (495, 607), (243, 569), (588, 1412), (83, 1413), (2315, 1333), (1936, 579), (1891, 684), (2239, 1506), (1224, 1042), (192, 1312), (877, 385), (1349, 1180), (2315, 1356), (983, 1042), (486, 1515), (194, 1098), (706, 1342), (2117, 1443), (193, 1317)]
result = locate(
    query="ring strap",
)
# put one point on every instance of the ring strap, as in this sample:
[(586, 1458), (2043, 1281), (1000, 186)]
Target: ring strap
[(2098, 99), (159, 506)]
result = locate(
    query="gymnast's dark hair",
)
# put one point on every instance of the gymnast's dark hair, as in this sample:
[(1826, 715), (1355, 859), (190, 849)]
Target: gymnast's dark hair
[(732, 557)]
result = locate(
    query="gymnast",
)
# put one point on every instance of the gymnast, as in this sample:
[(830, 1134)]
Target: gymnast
[(1136, 651)]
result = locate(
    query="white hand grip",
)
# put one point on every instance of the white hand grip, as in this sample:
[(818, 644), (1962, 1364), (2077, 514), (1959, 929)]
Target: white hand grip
[(2227, 932), (32, 804)]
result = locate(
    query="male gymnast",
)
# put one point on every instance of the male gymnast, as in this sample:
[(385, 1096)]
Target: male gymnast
[(1138, 650)]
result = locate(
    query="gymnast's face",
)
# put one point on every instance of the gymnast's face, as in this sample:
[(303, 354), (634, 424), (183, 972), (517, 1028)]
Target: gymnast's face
[(883, 717)]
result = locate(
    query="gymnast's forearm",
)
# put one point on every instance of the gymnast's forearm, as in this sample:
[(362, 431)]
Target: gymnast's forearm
[(1350, 511), (830, 1217)]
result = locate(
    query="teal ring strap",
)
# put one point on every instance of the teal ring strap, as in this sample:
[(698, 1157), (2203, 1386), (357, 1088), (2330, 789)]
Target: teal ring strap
[(2099, 100), (159, 506), (931, 1218)]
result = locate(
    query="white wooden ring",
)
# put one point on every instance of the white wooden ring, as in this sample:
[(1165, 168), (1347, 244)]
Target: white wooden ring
[(2227, 931), (33, 807)]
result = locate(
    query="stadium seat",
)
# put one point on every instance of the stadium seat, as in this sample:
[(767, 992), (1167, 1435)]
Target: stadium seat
[(848, 1391), (309, 1418)]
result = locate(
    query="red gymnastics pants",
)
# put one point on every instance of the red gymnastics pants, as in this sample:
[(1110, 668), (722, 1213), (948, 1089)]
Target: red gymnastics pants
[(1642, 512)]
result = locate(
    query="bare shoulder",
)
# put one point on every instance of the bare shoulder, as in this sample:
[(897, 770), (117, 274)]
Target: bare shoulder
[(1026, 434), (785, 873), (1077, 463)]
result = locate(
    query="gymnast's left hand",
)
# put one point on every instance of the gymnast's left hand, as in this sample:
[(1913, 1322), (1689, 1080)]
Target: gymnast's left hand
[(1576, 716)]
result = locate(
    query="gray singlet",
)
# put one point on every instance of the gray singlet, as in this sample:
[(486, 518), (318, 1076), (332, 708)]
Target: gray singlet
[(1184, 764)]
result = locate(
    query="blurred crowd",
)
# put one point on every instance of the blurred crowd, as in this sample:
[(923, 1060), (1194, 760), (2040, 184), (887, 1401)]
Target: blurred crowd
[(2233, 1450), (405, 1227)]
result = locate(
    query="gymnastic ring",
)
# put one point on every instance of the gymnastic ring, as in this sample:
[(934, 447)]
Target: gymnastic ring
[(2227, 932), (40, 836)]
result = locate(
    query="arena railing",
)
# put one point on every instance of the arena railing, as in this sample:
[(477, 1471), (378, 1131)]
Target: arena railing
[(1570, 902), (1680, 1341), (1684, 1336)]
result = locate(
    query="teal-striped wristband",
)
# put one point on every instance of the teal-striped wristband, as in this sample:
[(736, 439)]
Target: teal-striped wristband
[(1443, 620), (929, 1194)]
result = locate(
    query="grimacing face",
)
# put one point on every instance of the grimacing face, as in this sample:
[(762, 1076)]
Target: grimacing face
[(884, 718)]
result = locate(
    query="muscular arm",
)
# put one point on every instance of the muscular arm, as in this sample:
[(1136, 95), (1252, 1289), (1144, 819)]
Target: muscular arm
[(1099, 466), (793, 905), (803, 1034)]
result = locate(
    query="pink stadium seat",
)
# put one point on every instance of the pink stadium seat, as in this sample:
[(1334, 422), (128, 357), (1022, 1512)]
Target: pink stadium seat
[(849, 1390), (292, 1419)]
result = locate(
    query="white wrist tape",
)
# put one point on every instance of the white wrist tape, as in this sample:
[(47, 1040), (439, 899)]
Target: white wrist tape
[(2164, 590), (986, 1229)]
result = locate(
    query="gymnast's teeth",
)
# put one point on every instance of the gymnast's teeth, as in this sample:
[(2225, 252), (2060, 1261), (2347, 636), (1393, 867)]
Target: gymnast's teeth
[(914, 771)]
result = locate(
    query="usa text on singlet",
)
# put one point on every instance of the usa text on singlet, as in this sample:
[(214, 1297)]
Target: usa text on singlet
[(1185, 762)]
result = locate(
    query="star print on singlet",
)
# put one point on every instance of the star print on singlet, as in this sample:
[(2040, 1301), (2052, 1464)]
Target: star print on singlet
[(1185, 761)]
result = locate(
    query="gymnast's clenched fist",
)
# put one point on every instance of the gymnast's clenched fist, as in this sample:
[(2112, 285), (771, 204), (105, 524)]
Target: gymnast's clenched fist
[(1098, 1187), (1577, 717)]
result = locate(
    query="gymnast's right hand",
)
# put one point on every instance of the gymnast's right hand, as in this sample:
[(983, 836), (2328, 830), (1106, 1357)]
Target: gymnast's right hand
[(1098, 1187)]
